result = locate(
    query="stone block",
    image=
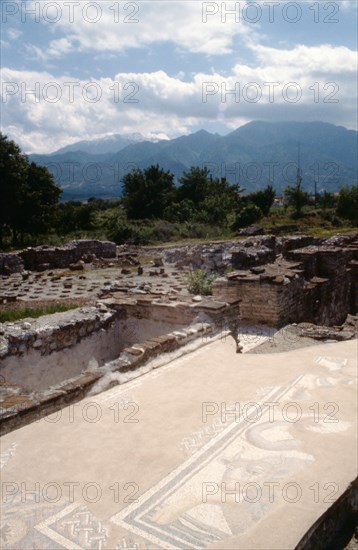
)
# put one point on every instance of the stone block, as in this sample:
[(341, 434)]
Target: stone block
[(11, 263)]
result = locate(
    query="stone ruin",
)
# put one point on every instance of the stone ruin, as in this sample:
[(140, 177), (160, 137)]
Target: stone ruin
[(46, 257), (10, 263), (316, 283), (144, 311), (137, 315)]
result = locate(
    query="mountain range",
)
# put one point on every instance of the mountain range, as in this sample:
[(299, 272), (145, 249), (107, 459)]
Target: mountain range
[(107, 144), (254, 155)]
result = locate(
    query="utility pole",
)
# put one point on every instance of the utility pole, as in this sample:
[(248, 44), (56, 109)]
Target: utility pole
[(315, 192), (299, 173)]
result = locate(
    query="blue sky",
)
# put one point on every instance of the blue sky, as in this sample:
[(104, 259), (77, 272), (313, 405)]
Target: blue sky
[(165, 68)]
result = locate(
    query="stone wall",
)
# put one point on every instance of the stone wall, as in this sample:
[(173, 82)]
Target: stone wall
[(276, 302), (17, 410), (10, 263), (238, 254), (244, 258), (148, 317), (328, 297), (268, 298), (316, 284), (64, 356), (43, 257), (353, 266), (40, 353)]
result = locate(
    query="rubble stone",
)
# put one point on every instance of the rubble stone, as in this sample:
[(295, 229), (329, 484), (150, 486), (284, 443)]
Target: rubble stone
[(10, 263)]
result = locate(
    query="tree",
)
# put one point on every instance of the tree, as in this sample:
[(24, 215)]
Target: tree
[(212, 198), (297, 198), (28, 193), (215, 208), (347, 206), (147, 192), (263, 199), (194, 185), (77, 216), (13, 170), (39, 198)]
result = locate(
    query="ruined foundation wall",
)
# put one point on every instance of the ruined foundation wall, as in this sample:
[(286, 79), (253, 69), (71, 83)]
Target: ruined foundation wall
[(44, 257), (320, 301), (141, 322), (327, 292), (353, 266), (36, 355), (59, 347), (36, 372), (327, 302), (264, 302), (46, 356), (10, 263), (317, 284), (144, 319)]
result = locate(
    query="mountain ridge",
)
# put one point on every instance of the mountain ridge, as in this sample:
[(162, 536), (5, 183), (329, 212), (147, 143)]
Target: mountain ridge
[(254, 155)]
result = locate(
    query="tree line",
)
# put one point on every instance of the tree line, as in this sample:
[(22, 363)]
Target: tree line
[(30, 203)]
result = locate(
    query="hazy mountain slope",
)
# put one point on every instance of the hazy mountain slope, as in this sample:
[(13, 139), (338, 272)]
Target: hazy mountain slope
[(254, 155), (108, 144)]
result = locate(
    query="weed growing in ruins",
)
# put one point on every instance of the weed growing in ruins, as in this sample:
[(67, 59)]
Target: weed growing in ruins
[(200, 282)]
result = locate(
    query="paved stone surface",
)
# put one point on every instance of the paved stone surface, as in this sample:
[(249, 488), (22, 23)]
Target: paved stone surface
[(164, 461)]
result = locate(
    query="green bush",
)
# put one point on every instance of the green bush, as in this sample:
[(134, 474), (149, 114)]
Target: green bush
[(247, 216), (179, 211), (200, 283)]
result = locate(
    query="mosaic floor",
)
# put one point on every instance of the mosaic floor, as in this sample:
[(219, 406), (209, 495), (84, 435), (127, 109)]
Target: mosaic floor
[(215, 450)]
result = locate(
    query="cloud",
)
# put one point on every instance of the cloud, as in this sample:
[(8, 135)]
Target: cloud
[(208, 27), (307, 59), (13, 33), (54, 50), (119, 26), (59, 47), (302, 83)]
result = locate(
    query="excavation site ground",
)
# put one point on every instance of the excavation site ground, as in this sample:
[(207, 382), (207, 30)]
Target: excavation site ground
[(141, 415)]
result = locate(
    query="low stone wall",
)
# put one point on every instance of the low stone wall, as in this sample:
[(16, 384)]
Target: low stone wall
[(18, 411), (38, 354), (239, 254), (61, 357), (244, 258), (10, 263), (43, 257), (21, 410), (148, 310), (286, 244)]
